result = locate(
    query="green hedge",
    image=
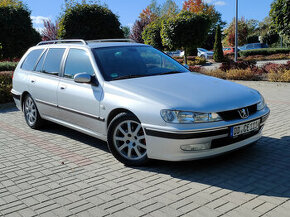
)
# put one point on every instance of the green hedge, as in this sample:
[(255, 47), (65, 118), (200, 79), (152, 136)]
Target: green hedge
[(8, 66), (5, 87), (264, 51)]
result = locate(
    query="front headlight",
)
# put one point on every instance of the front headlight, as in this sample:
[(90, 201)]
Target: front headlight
[(185, 117), (261, 104)]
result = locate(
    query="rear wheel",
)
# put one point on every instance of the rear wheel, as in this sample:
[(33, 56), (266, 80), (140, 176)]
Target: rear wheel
[(126, 140), (31, 113)]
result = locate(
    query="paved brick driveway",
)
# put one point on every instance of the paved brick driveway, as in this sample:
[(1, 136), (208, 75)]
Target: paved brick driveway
[(60, 172)]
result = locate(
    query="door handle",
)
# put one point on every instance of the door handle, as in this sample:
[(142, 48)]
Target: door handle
[(32, 81), (62, 87)]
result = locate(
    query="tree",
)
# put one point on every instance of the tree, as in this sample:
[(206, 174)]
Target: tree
[(89, 21), (12, 3), (151, 34), (185, 31), (280, 16), (218, 55), (200, 7), (242, 33), (169, 8), (50, 31), (17, 33), (126, 31), (137, 29)]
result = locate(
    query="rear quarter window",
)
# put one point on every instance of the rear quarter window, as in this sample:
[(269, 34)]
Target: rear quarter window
[(31, 59)]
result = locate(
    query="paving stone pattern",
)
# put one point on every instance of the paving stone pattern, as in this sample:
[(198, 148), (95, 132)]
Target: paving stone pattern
[(60, 172)]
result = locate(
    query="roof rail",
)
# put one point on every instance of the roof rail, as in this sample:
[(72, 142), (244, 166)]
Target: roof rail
[(112, 40), (63, 41)]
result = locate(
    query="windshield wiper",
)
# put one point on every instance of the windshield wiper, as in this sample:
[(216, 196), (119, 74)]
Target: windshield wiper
[(127, 77), (167, 73)]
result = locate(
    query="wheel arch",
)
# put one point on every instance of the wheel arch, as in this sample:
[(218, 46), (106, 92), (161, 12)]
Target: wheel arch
[(115, 112), (23, 95)]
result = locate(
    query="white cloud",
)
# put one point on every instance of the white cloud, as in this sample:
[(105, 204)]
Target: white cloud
[(214, 2), (39, 29), (38, 19), (220, 3)]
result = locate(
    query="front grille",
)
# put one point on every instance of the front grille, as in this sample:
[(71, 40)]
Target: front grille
[(217, 143), (234, 114)]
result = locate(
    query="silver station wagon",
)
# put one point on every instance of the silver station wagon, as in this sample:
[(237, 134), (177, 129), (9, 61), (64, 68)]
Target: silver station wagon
[(142, 102)]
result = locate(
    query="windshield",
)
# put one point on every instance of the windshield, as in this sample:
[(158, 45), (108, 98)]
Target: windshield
[(134, 61), (203, 50)]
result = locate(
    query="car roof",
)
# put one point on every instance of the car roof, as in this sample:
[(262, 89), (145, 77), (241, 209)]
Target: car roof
[(89, 44)]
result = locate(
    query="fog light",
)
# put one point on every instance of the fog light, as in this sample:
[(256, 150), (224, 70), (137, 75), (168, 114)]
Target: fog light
[(195, 147)]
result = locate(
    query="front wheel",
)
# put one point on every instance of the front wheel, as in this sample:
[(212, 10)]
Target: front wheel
[(126, 140), (31, 113)]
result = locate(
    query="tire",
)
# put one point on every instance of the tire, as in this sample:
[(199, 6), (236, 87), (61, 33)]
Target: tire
[(126, 140), (31, 113)]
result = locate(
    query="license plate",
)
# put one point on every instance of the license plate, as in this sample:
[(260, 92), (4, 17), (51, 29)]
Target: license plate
[(245, 128)]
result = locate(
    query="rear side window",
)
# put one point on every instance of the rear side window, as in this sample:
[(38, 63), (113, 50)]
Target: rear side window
[(77, 61), (31, 59), (53, 60)]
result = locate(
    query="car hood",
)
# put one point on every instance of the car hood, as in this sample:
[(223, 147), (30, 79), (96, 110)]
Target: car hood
[(189, 91)]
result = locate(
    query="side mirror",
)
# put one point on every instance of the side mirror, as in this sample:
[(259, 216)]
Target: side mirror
[(82, 78), (186, 66)]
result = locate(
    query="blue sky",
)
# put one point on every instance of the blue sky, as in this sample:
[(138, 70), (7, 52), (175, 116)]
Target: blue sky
[(129, 10)]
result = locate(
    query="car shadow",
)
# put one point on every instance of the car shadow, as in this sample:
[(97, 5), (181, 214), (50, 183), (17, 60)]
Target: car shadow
[(260, 169)]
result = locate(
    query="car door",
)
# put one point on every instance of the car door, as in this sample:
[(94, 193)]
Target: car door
[(44, 82), (79, 102)]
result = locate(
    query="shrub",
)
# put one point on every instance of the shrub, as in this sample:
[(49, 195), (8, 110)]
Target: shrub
[(264, 51), (195, 68), (274, 67), (5, 87), (89, 21), (192, 60), (270, 57), (234, 74), (218, 55), (230, 64), (279, 76), (8, 66)]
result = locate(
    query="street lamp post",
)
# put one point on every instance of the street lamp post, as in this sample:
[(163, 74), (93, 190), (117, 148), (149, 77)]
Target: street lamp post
[(236, 33)]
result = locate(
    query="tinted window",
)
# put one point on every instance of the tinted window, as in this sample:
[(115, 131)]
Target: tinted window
[(118, 62), (31, 59), (77, 61), (40, 62), (53, 60)]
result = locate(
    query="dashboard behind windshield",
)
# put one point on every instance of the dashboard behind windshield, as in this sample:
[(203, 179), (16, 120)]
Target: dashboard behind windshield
[(117, 62)]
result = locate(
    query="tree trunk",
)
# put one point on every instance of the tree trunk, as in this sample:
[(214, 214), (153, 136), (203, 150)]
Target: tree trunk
[(185, 56)]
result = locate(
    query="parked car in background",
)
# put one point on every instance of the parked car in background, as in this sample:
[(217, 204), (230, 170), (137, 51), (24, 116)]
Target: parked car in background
[(142, 102), (177, 53), (253, 46), (201, 52), (229, 50)]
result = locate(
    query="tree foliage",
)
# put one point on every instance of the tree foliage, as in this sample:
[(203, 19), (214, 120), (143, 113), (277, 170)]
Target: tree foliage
[(151, 34), (50, 30), (152, 12), (89, 21), (17, 33), (280, 14), (137, 29), (12, 3), (201, 7), (242, 33), (126, 31), (186, 31), (218, 55)]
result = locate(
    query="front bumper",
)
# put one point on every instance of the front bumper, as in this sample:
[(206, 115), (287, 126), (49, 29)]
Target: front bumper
[(166, 145)]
